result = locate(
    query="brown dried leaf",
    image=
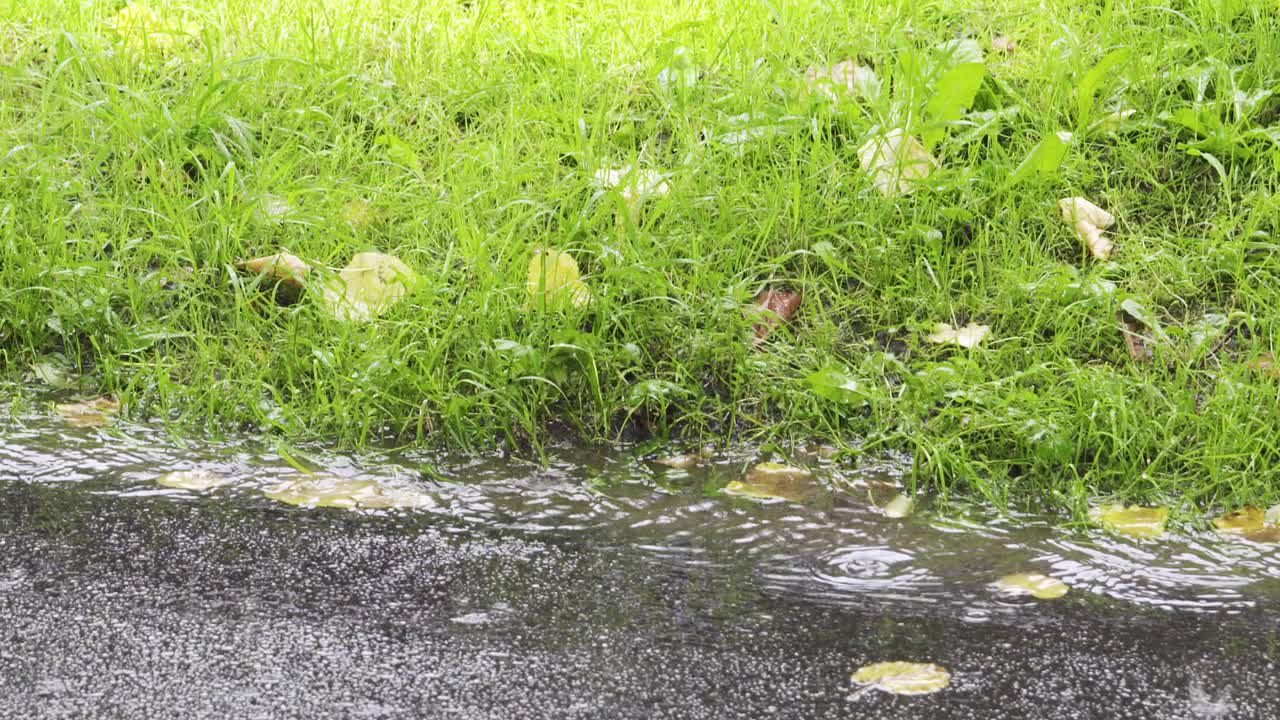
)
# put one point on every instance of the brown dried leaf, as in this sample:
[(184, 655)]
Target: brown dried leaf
[(89, 413), (288, 269), (775, 308), (1266, 364), (1136, 337)]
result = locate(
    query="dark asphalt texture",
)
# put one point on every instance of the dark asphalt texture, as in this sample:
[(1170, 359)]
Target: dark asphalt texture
[(145, 607)]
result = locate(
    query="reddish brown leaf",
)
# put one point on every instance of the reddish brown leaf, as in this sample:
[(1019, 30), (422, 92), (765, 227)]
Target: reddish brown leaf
[(1266, 364), (775, 308), (1134, 337)]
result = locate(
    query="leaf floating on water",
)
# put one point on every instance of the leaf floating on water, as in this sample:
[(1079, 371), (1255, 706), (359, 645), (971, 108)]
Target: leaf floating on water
[(1088, 220), (895, 161), (966, 337), (192, 480), (903, 678), (288, 269), (89, 413), (346, 493), (1041, 587), (554, 279), (370, 284), (1240, 522), (1251, 523), (902, 505), (1132, 520), (774, 307), (774, 480), (52, 373)]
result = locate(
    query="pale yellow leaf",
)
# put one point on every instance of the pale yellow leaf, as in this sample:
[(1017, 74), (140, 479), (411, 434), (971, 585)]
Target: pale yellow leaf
[(967, 337), (896, 162), (370, 284), (903, 678), (1088, 221), (554, 279)]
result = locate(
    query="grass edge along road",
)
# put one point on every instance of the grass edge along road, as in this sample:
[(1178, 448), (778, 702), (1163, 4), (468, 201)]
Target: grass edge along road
[(695, 162)]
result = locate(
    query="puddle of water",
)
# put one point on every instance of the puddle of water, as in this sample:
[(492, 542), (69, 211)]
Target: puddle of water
[(839, 549)]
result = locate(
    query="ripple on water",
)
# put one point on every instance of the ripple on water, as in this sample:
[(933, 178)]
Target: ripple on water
[(838, 551)]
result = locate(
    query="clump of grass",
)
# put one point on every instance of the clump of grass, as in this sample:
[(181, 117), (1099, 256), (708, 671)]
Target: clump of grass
[(464, 137)]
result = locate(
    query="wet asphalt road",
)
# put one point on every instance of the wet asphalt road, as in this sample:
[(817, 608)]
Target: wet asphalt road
[(142, 607)]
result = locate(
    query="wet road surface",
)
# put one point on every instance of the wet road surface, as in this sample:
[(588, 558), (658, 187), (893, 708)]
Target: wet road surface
[(127, 607)]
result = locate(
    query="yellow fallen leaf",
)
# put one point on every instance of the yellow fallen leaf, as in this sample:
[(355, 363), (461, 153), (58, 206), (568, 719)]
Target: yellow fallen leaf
[(1089, 221), (903, 678), (775, 480), (1004, 44), (288, 269), (89, 413), (367, 286), (1041, 587), (895, 161), (635, 185), (554, 279), (346, 493), (192, 480), (1133, 520), (141, 29), (844, 78), (968, 336), (902, 505)]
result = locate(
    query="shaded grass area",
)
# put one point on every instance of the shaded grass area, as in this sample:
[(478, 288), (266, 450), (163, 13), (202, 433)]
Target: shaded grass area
[(463, 136)]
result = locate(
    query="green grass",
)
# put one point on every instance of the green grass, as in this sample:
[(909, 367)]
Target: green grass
[(462, 136)]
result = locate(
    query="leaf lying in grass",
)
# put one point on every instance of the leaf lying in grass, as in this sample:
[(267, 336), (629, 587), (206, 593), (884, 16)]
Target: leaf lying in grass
[(1266, 364), (1004, 44), (775, 480), (1088, 220), (844, 79), (1112, 121), (554, 280), (53, 373), (288, 269), (89, 413), (681, 74), (774, 308), (636, 185), (193, 480), (140, 29), (1132, 520), (835, 383), (966, 337), (961, 51), (903, 678), (1044, 159), (952, 95), (1136, 334), (1041, 587), (346, 493), (896, 162), (360, 213), (370, 284)]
